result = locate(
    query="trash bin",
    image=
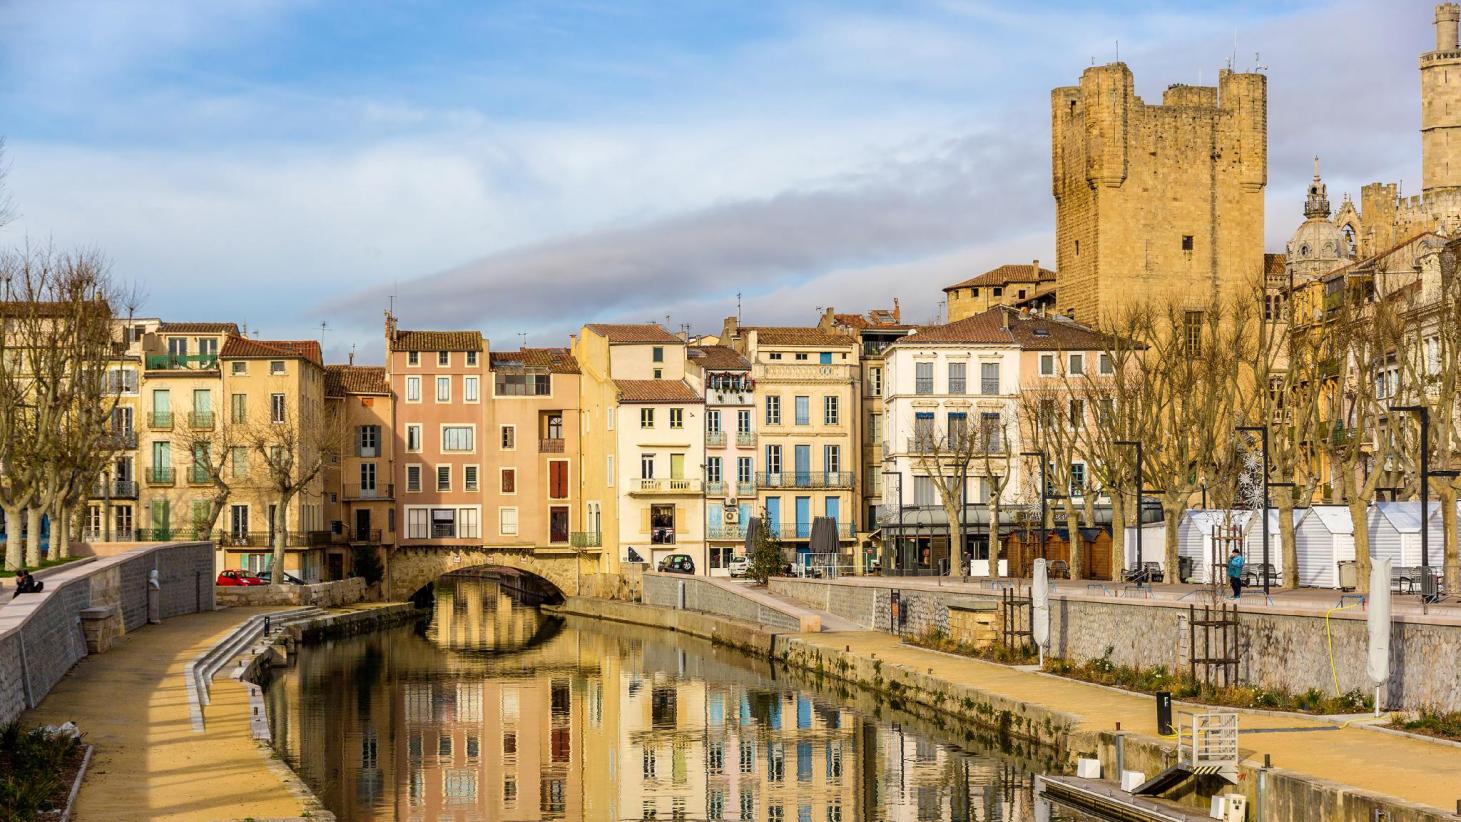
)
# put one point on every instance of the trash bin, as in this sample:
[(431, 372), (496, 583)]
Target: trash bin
[(1349, 575), (1184, 569)]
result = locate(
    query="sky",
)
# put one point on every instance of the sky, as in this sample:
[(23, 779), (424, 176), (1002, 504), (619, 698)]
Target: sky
[(525, 167)]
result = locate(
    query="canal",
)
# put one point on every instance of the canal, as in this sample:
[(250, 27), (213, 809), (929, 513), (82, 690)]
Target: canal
[(495, 711)]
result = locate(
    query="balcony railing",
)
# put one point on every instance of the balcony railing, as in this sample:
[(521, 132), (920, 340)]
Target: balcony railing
[(182, 362), (242, 539), (586, 539), (803, 530), (661, 536), (199, 475), (318, 539), (161, 475), (159, 420), (200, 420), (122, 440), (365, 535), (119, 489), (727, 532), (550, 445), (745, 489), (715, 489), (667, 486), (806, 479), (805, 373), (745, 438), (715, 439), (354, 490)]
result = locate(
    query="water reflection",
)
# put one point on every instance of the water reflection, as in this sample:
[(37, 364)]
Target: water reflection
[(497, 712)]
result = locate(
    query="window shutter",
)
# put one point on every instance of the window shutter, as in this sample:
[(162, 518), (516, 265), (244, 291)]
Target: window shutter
[(644, 520)]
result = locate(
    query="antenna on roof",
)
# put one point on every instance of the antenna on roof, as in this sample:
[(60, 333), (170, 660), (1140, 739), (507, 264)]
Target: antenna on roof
[(324, 326), (738, 308), (522, 339), (1118, 50)]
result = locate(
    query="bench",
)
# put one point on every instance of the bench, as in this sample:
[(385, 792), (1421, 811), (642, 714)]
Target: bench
[(1254, 575), (1059, 569)]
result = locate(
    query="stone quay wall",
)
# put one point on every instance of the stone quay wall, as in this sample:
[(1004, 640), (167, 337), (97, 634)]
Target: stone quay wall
[(320, 595), (726, 599), (41, 635), (1284, 650)]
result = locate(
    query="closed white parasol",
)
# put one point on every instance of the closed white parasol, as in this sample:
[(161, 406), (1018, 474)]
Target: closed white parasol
[(1378, 664), (1040, 608)]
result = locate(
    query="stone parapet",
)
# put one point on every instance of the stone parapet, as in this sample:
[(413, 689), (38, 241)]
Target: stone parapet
[(320, 595), (727, 599)]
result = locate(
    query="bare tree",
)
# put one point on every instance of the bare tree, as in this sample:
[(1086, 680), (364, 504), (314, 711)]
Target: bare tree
[(992, 460), (294, 449), (216, 451), (1052, 423), (951, 458)]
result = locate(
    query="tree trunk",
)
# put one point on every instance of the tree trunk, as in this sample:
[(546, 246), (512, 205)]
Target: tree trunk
[(1118, 537), (1172, 514), (1359, 518), (956, 533), (993, 531), (14, 550), (1289, 544), (1073, 541), (1447, 496), (60, 534), (33, 537), (281, 516)]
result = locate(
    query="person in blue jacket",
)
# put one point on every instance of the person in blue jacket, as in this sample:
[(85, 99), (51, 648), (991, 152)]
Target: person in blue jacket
[(1235, 572)]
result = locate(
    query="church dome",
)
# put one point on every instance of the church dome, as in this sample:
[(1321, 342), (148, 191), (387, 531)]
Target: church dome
[(1318, 241)]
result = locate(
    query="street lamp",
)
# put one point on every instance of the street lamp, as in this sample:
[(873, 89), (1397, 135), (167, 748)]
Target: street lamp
[(1263, 520), (1424, 415), (1043, 490)]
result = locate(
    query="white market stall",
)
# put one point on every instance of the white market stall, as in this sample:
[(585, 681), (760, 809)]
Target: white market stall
[(1153, 545), (1205, 536), (1395, 534), (1324, 537), (1253, 540)]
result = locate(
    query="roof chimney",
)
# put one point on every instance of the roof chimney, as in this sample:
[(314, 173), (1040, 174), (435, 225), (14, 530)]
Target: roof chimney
[(1004, 318), (897, 312), (350, 360)]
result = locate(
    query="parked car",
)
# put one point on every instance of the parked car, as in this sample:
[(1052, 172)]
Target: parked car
[(289, 579), (676, 564), (239, 578), (738, 566)]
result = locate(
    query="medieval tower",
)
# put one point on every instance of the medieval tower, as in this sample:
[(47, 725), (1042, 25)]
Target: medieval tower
[(1440, 105), (1154, 200)]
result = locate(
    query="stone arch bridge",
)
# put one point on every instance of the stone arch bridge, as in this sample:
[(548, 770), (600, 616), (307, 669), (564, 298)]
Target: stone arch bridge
[(411, 567)]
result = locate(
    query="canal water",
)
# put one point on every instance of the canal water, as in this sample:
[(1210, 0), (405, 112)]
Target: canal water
[(495, 711)]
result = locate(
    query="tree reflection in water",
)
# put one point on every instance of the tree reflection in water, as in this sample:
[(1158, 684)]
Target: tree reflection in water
[(496, 711)]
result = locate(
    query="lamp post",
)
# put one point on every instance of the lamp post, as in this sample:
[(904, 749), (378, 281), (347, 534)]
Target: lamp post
[(1043, 491), (1263, 520), (1137, 445), (1424, 415)]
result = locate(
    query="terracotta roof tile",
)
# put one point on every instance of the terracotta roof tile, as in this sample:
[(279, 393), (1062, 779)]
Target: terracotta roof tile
[(719, 358), (1018, 273), (243, 348), (645, 391), (355, 379), (437, 341), (633, 333), (798, 335), (1027, 331), (198, 328), (555, 360)]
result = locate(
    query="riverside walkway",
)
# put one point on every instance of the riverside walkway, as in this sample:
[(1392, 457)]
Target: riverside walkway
[(149, 763), (1416, 770)]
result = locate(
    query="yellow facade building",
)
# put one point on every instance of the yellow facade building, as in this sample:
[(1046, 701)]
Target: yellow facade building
[(360, 490)]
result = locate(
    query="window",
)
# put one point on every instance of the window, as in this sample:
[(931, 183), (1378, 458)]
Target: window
[(469, 389), (957, 429), (1077, 364), (522, 384), (239, 368), (413, 389), (712, 421), (1077, 413), (508, 437), (509, 480), (558, 479), (369, 439), (801, 357), (677, 418), (743, 421), (471, 358), (803, 410), (367, 476), (1192, 332), (775, 355), (467, 525), (1077, 479), (646, 418), (991, 432), (956, 377), (609, 471), (443, 523), (659, 373), (923, 378), (413, 436), (413, 478), (443, 389), (276, 407), (773, 459), (875, 426), (773, 410), (238, 408), (413, 357), (713, 473), (989, 378), (1103, 364), (658, 354), (458, 438), (443, 358), (469, 477), (443, 477), (646, 466), (238, 457), (743, 470), (923, 495), (924, 435), (831, 411), (1186, 242), (998, 291), (276, 366), (418, 523), (832, 460), (1047, 365)]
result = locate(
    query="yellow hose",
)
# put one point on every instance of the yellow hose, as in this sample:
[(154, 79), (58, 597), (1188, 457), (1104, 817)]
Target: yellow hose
[(1329, 638)]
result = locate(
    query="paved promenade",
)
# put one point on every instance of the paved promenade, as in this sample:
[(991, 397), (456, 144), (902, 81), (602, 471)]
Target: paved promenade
[(1416, 770), (149, 763)]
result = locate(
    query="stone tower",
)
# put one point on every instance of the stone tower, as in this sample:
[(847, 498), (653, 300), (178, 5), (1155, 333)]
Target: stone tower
[(1440, 104), (1152, 200)]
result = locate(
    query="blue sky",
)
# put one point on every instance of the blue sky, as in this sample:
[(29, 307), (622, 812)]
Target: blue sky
[(531, 166)]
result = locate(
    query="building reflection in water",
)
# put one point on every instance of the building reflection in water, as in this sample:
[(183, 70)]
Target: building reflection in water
[(498, 712)]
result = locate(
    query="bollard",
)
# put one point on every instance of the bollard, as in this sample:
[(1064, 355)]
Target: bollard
[(1120, 753), (1164, 713), (266, 625), (1260, 798)]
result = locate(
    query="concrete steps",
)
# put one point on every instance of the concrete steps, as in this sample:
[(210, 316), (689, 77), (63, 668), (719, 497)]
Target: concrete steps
[(250, 632)]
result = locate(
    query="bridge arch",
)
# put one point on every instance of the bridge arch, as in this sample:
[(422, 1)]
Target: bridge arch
[(410, 567)]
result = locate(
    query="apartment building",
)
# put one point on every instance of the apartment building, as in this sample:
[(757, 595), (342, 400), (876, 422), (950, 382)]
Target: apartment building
[(724, 377), (946, 384), (275, 394), (806, 391), (533, 485), (644, 444), (437, 378), (111, 512), (360, 486)]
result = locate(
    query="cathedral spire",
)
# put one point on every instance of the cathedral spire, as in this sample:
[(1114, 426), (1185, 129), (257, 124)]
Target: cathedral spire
[(1317, 204)]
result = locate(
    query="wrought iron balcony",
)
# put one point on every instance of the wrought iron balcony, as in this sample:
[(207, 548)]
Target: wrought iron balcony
[(550, 445), (727, 532), (115, 489), (122, 440), (159, 420), (803, 530), (715, 489), (586, 539), (714, 439), (745, 438), (745, 489), (356, 491), (200, 420), (369, 536), (199, 475), (806, 479), (161, 475), (661, 536)]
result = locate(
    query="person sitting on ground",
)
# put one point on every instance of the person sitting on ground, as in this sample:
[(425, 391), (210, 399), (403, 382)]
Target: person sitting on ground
[(24, 583), (1235, 572)]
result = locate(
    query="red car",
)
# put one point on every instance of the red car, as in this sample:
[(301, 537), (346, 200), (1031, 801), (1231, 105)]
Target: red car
[(239, 578)]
